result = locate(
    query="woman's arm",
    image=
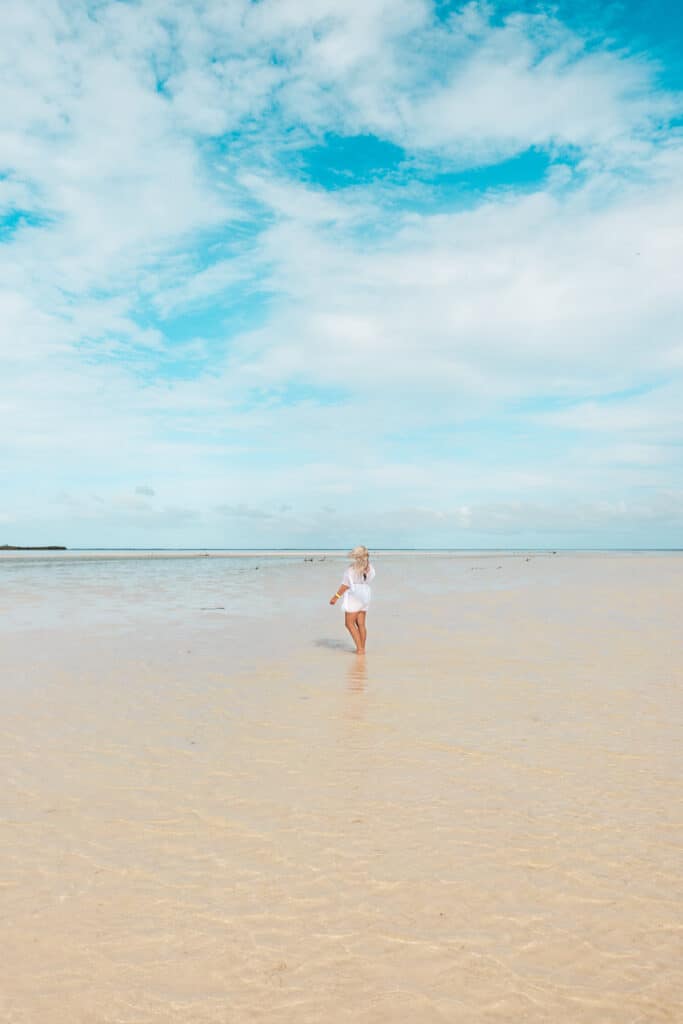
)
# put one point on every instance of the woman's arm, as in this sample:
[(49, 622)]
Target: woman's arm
[(340, 591)]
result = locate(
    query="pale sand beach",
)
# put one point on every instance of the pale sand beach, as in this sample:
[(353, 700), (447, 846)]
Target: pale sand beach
[(212, 811)]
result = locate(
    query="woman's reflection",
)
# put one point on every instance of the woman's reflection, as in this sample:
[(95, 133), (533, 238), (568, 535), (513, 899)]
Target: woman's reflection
[(357, 677)]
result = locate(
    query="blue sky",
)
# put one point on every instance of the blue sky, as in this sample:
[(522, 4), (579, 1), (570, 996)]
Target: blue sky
[(311, 274)]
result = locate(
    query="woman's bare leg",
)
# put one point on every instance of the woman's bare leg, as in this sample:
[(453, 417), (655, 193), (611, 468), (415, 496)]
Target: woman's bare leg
[(362, 631), (351, 622)]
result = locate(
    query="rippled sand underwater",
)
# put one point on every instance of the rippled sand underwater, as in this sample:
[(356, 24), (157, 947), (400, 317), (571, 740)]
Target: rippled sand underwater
[(212, 811)]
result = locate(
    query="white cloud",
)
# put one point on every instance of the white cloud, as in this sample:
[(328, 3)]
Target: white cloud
[(85, 132), (545, 293), (658, 414), (579, 517), (531, 82), (242, 511)]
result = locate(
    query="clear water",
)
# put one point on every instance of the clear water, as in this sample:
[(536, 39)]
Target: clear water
[(82, 588), (50, 591)]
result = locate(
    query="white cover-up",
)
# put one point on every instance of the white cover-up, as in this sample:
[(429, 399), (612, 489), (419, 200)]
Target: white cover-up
[(357, 597)]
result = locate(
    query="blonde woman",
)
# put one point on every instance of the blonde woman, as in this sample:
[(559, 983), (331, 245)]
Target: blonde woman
[(355, 594)]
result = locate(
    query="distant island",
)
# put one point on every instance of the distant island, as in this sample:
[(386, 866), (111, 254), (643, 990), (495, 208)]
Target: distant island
[(47, 547)]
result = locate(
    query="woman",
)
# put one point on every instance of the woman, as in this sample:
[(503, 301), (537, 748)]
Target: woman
[(355, 594)]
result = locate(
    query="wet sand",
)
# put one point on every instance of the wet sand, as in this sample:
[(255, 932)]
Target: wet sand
[(223, 815)]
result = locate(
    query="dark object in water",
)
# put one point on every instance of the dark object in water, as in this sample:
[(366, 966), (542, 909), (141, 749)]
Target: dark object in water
[(47, 547)]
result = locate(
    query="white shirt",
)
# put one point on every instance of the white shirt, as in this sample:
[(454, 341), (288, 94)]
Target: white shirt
[(357, 597)]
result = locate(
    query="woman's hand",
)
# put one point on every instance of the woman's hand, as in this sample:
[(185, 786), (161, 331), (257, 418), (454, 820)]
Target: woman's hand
[(334, 598)]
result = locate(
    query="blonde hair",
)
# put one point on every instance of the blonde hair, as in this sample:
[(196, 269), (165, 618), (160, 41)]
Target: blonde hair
[(360, 556)]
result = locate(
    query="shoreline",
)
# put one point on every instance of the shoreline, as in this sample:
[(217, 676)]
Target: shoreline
[(318, 554)]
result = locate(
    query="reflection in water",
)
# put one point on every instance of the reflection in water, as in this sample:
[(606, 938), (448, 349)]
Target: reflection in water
[(357, 677), (358, 674)]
